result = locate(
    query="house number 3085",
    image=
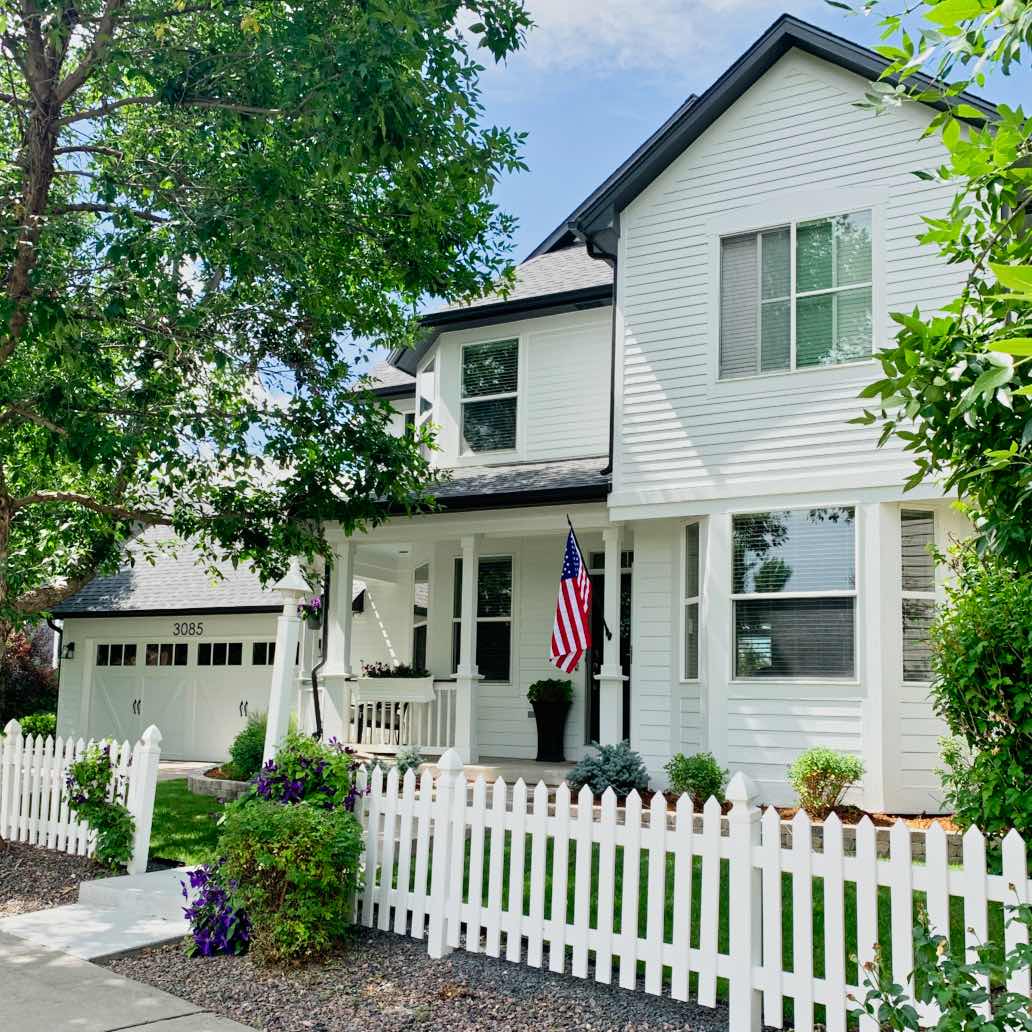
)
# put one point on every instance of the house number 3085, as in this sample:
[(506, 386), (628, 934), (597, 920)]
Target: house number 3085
[(185, 630)]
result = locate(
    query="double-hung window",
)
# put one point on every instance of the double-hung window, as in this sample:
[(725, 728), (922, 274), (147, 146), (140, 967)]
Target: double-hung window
[(796, 296), (420, 614), (917, 535), (690, 602), (490, 382), (794, 593), (494, 617)]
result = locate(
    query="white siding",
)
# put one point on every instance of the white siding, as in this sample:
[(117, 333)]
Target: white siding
[(793, 137), (382, 632), (563, 406)]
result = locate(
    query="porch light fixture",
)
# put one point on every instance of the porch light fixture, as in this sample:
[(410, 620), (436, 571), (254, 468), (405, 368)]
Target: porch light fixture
[(69, 651)]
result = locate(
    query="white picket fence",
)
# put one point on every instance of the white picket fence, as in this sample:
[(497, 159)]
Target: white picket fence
[(34, 804), (449, 860)]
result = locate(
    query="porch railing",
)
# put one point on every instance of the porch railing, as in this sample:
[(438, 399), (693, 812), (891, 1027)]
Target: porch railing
[(386, 727)]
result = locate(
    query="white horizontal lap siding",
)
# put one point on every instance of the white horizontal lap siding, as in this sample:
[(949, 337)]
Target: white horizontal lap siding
[(769, 725), (690, 726), (796, 133)]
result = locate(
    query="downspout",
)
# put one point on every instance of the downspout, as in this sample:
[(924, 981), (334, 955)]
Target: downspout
[(58, 630), (612, 380), (316, 705)]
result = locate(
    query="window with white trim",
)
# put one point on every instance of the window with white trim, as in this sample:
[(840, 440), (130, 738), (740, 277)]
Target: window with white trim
[(796, 296), (263, 653), (917, 536), (220, 653), (117, 654), (490, 385), (426, 397), (691, 595), (494, 617), (420, 615), (794, 593), (165, 653)]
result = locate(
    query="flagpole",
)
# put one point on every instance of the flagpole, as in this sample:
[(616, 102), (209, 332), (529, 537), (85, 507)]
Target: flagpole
[(576, 541)]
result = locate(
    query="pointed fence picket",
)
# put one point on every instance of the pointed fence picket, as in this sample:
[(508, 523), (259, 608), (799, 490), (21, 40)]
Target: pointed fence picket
[(34, 806), (683, 902)]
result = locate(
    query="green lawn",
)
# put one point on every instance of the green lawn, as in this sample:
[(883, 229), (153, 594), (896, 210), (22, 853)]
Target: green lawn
[(184, 826)]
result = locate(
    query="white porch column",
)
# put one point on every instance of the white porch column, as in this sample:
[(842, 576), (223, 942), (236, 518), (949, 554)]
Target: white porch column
[(336, 675), (292, 589), (467, 676), (611, 677)]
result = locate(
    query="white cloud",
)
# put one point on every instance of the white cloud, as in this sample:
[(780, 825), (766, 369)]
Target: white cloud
[(596, 35)]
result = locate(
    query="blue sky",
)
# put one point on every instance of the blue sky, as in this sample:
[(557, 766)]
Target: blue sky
[(598, 76)]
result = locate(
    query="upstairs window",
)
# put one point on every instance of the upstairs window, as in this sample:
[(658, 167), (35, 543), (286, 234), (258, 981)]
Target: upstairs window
[(917, 535), (796, 296), (794, 591), (489, 396)]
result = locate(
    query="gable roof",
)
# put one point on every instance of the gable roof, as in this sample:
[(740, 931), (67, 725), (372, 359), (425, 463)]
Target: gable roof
[(596, 219), (391, 382)]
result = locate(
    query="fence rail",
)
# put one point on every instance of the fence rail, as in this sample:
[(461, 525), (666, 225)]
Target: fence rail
[(34, 804), (641, 896)]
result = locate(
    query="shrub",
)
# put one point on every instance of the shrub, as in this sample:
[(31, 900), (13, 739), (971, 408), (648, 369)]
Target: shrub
[(551, 689), (217, 925), (982, 688), (944, 976), (820, 777), (296, 872), (245, 754), (26, 686), (86, 785), (397, 670), (408, 758), (700, 776), (305, 770), (40, 724), (617, 767)]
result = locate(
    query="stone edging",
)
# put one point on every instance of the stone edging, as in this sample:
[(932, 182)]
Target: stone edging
[(221, 788)]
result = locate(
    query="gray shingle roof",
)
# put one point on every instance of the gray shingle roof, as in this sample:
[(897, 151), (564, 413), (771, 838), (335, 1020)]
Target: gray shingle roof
[(170, 583), (486, 486), (555, 273), (384, 375)]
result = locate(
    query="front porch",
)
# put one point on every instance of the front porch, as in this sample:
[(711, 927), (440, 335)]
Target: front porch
[(469, 597)]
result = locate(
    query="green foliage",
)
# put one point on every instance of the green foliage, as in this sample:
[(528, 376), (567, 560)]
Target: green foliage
[(951, 982), (86, 786), (245, 754), (956, 388), (617, 767), (408, 758), (212, 217), (395, 670), (551, 689), (307, 770), (982, 688), (296, 872), (820, 777), (26, 686), (42, 725), (699, 775)]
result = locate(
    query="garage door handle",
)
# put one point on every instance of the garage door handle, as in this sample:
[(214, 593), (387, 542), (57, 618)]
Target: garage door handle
[(240, 707), (246, 704)]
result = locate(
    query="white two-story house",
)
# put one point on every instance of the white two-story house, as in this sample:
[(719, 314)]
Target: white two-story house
[(676, 371)]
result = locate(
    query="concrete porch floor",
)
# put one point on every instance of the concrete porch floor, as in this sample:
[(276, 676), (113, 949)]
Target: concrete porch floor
[(511, 770)]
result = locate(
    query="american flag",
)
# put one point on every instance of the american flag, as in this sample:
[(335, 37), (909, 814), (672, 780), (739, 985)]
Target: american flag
[(571, 632)]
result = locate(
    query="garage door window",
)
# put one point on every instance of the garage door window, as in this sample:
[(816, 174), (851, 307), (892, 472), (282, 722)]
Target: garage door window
[(116, 655), (263, 653), (166, 653), (220, 653)]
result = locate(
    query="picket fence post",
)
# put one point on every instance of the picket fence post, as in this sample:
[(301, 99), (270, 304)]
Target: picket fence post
[(450, 773), (143, 782), (745, 889), (10, 761)]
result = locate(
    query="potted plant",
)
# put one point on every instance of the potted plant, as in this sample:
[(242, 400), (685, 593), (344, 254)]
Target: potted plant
[(551, 699), (311, 611)]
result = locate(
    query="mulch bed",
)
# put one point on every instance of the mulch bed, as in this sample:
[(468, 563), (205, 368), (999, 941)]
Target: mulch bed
[(35, 879), (381, 981)]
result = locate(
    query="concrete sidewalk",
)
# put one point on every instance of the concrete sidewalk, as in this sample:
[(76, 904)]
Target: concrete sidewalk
[(42, 990)]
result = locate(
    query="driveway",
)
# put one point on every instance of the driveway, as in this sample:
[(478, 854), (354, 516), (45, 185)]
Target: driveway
[(170, 770), (42, 990)]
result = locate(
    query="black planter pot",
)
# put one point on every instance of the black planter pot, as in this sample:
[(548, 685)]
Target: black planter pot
[(551, 726)]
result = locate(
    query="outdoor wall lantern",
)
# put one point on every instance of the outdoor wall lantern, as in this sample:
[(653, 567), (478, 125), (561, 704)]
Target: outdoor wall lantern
[(69, 651)]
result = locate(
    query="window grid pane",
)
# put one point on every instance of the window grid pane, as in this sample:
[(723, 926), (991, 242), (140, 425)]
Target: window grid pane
[(917, 533), (490, 368), (489, 425), (918, 615), (797, 637), (739, 306), (691, 640)]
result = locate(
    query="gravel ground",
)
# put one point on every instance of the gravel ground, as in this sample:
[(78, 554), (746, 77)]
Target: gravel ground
[(34, 879), (383, 982)]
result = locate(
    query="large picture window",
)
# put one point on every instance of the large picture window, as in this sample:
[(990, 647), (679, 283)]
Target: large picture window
[(796, 296), (917, 535), (494, 617), (489, 395), (794, 593), (690, 602)]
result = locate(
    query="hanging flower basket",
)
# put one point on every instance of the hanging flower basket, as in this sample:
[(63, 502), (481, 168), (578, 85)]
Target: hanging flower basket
[(311, 611)]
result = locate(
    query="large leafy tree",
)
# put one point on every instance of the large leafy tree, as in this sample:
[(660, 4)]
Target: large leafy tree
[(204, 205), (957, 385)]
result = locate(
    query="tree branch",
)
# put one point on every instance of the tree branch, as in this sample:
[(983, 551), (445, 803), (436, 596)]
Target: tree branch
[(102, 38), (147, 101), (16, 411), (108, 209), (120, 512)]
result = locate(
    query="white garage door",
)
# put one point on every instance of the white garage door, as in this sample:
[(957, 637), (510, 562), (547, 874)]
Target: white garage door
[(198, 693)]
